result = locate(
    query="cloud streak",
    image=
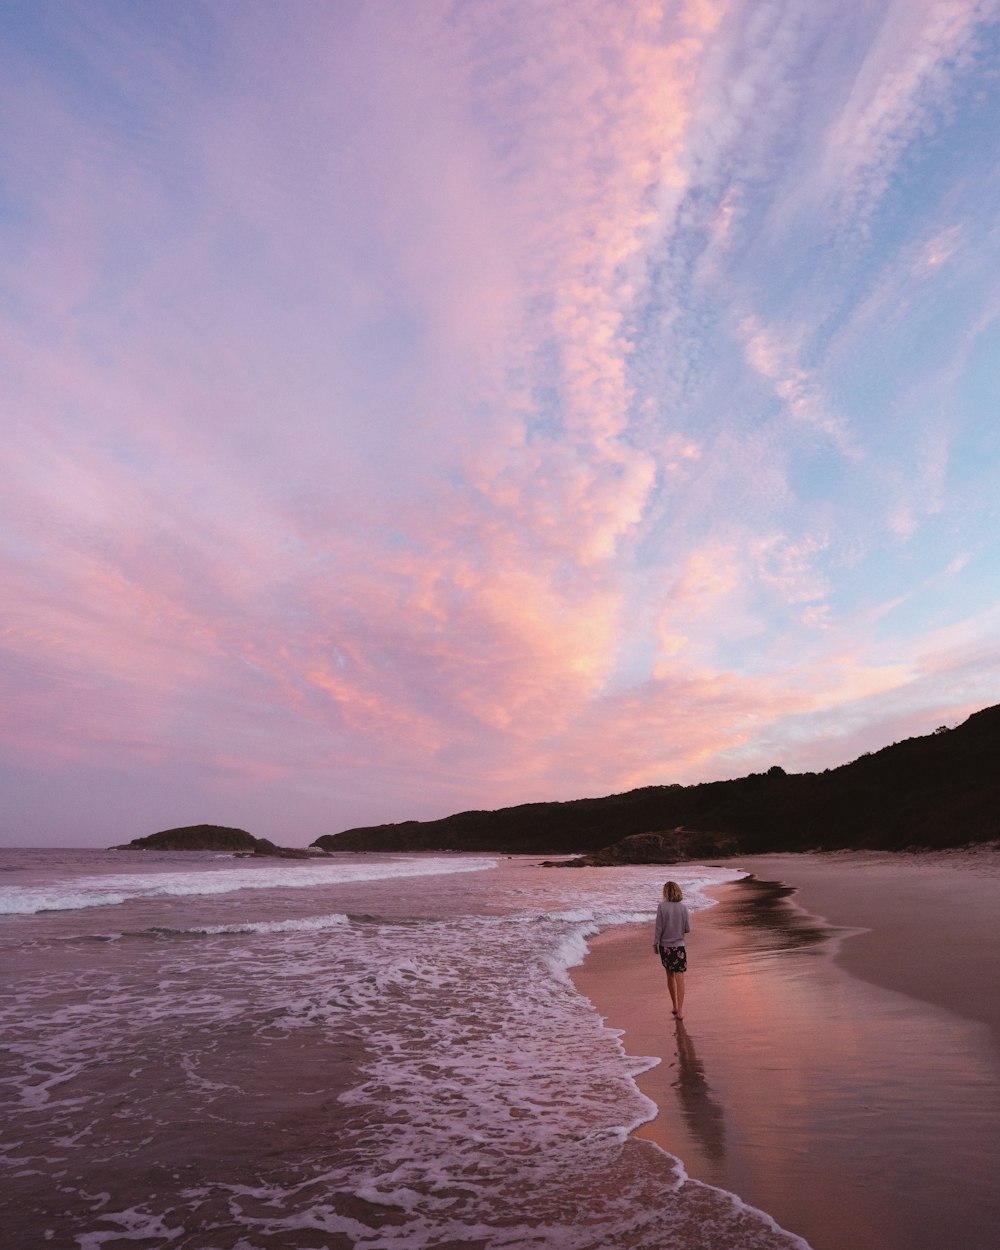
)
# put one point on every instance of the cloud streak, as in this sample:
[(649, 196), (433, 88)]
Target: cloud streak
[(407, 410)]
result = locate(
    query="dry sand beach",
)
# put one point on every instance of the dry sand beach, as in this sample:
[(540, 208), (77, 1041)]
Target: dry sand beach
[(839, 1061)]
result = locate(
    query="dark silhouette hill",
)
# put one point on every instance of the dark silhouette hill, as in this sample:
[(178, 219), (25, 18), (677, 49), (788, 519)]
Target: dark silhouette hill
[(940, 790), (210, 838)]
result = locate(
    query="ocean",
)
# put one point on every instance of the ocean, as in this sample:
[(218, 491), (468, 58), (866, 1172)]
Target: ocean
[(384, 1051)]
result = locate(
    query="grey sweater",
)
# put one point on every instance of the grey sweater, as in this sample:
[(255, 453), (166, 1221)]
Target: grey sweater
[(672, 922)]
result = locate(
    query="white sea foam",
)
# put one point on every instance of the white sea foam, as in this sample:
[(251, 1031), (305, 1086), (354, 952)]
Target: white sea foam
[(485, 1102), (72, 894), (307, 924), (132, 1225)]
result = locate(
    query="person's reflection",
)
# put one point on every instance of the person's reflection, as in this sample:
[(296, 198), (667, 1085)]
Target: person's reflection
[(705, 1117)]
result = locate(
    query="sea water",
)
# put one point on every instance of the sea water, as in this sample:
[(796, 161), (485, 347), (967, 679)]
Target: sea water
[(381, 1051)]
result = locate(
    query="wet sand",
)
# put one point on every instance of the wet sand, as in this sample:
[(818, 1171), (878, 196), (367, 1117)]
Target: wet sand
[(839, 1061)]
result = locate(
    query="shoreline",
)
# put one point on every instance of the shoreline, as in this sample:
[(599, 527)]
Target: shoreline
[(883, 905), (822, 1072)]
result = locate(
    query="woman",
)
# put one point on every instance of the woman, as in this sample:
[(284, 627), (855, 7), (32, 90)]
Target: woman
[(672, 922)]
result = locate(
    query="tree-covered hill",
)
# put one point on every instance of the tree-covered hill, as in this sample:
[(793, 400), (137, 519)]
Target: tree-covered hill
[(939, 790)]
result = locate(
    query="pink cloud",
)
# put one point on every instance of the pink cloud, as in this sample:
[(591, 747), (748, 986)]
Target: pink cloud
[(353, 438)]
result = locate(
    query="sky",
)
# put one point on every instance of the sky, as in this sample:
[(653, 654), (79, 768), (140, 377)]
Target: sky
[(425, 405)]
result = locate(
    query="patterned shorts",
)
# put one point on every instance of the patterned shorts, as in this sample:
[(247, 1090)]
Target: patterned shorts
[(674, 958)]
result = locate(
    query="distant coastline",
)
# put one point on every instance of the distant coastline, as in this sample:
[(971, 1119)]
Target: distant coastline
[(939, 790), (926, 793)]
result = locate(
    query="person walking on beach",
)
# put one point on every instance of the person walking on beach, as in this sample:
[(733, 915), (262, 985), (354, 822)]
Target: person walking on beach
[(672, 922)]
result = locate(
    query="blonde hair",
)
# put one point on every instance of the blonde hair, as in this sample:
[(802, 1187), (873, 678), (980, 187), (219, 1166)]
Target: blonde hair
[(672, 892)]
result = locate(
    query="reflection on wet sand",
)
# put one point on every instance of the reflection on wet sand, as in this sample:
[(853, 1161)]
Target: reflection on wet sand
[(768, 918), (794, 1084), (704, 1116)]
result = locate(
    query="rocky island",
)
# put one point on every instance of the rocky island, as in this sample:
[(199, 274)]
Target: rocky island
[(218, 838)]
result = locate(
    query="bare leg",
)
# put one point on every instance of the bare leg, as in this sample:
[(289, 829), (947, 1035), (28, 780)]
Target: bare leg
[(672, 987), (677, 994)]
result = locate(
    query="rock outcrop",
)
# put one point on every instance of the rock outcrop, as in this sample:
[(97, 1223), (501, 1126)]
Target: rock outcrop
[(672, 846)]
